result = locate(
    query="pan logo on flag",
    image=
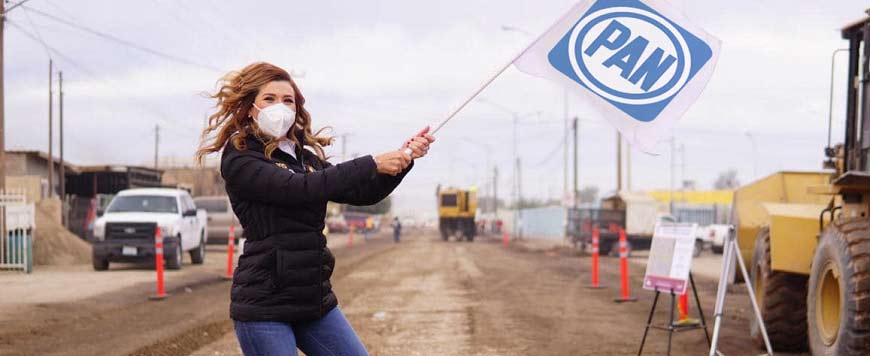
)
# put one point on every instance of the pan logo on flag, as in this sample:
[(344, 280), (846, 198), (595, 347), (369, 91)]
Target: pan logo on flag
[(630, 55)]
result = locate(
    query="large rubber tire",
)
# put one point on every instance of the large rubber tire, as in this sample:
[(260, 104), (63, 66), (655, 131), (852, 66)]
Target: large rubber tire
[(717, 249), (604, 247), (838, 306), (174, 260), (100, 264), (613, 250), (197, 255), (781, 298)]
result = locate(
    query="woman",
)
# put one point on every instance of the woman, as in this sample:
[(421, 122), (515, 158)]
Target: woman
[(279, 182)]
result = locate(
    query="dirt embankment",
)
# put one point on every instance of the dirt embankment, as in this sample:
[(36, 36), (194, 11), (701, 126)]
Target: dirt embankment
[(55, 245)]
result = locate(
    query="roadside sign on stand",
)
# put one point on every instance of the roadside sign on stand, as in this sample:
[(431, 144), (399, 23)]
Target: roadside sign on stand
[(670, 258)]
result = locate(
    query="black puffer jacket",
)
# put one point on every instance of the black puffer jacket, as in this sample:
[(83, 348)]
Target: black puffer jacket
[(284, 272)]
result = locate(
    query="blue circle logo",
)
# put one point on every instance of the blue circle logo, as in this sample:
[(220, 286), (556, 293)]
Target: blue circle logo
[(629, 55)]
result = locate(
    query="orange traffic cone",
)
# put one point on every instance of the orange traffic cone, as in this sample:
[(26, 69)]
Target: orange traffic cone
[(158, 259)]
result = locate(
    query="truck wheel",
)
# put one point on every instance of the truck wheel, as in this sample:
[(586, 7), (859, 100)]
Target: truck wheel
[(604, 247), (838, 311), (444, 235), (782, 299), (100, 264), (174, 260), (717, 249), (197, 255), (699, 247), (613, 250)]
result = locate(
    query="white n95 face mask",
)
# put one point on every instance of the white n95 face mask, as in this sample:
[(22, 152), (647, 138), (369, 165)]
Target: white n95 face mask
[(276, 119)]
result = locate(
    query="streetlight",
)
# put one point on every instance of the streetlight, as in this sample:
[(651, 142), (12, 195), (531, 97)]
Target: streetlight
[(566, 126), (516, 118)]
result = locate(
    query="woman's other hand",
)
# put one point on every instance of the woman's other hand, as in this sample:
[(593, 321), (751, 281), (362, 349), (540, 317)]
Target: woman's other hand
[(393, 162)]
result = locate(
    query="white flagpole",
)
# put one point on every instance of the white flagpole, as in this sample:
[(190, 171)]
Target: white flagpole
[(498, 73), (481, 88)]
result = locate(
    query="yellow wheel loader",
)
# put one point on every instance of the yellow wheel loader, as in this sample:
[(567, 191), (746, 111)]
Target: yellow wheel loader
[(807, 235)]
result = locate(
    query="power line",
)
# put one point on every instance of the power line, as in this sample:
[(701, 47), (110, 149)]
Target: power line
[(552, 153), (13, 6), (36, 30), (124, 42), (155, 112)]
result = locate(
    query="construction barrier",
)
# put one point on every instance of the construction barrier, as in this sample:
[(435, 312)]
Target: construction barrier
[(685, 320), (623, 269), (684, 306), (595, 250), (231, 242), (158, 256)]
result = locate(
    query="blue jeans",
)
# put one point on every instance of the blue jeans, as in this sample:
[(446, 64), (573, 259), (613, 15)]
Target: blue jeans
[(330, 335)]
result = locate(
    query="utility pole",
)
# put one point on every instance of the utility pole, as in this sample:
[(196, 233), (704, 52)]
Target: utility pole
[(62, 162), (628, 169), (495, 190), (671, 200), (2, 101), (618, 162), (50, 130), (576, 194), (683, 170), (565, 187), (754, 155), (3, 12), (516, 188), (520, 197), (516, 161), (156, 143)]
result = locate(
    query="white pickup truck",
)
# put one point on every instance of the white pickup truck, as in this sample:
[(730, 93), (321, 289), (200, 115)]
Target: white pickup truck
[(125, 231), (716, 234)]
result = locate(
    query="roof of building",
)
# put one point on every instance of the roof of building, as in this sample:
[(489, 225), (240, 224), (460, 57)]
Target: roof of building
[(44, 156), (81, 169)]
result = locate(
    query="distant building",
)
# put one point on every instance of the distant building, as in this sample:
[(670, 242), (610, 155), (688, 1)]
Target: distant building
[(27, 170), (200, 181), (92, 180)]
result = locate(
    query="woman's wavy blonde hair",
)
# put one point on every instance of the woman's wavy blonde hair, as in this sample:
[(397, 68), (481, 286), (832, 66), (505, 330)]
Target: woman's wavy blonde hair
[(235, 97)]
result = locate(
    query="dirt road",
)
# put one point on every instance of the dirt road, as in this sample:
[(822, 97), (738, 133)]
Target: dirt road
[(428, 297), (420, 297)]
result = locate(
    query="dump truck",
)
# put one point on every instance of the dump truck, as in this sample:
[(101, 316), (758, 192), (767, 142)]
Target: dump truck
[(456, 213), (637, 213), (807, 234)]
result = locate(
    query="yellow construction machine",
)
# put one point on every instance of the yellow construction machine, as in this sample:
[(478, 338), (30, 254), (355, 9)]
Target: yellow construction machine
[(456, 212), (807, 235)]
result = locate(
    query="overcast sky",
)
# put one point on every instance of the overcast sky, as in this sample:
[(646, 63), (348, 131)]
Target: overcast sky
[(380, 70)]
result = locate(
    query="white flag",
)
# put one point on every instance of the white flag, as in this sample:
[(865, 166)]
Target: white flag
[(641, 62)]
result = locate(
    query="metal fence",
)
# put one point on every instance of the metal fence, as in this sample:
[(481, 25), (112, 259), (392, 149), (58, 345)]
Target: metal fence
[(17, 220), (702, 214)]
